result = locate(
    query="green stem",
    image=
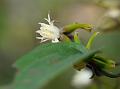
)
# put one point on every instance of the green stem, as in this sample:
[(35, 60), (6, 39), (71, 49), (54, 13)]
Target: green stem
[(88, 46), (109, 74), (76, 38), (104, 63)]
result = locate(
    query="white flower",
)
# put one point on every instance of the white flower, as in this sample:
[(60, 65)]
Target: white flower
[(48, 31), (82, 78)]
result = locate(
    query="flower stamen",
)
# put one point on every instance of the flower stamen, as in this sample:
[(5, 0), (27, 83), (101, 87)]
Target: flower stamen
[(48, 31)]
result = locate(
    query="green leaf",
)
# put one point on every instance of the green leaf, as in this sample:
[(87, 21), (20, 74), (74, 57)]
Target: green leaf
[(72, 27), (45, 62), (45, 50)]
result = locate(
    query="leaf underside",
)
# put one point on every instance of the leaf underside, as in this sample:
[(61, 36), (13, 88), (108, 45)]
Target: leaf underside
[(45, 62)]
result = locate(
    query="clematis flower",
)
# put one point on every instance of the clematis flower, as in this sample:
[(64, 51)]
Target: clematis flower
[(48, 31)]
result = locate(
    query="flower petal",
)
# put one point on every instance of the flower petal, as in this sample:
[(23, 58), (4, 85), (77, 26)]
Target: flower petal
[(38, 31), (55, 40)]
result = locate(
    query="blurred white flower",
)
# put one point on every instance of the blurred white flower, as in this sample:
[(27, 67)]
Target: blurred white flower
[(82, 78), (114, 13), (48, 31)]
